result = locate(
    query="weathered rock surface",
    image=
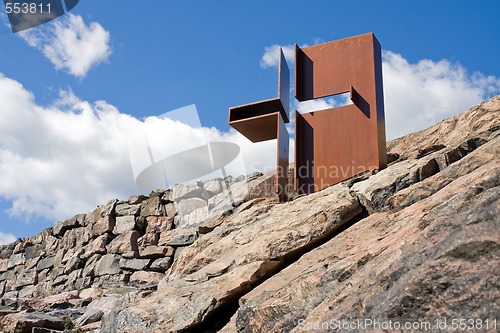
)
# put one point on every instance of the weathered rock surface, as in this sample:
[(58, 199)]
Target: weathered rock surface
[(407, 264), (417, 242)]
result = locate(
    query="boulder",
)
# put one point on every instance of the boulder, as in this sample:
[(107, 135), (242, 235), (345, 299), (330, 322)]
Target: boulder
[(76, 238), (124, 223), (136, 199), (27, 321), (125, 209), (213, 186), (98, 245), (178, 237), (183, 191), (26, 278), (28, 292), (151, 207), (154, 226), (61, 227), (107, 265), (4, 265), (103, 225), (106, 304), (155, 252), (106, 210), (146, 277), (90, 266), (16, 260), (234, 256), (90, 316), (161, 264), (31, 252), (134, 264), (126, 242)]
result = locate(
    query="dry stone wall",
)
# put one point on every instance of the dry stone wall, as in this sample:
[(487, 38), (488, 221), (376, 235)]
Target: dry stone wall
[(121, 243)]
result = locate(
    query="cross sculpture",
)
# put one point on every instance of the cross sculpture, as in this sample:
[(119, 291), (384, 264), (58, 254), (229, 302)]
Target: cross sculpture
[(331, 145)]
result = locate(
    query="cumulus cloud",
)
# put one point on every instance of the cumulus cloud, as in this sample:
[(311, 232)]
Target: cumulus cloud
[(271, 55), (70, 44), (6, 238), (68, 157), (416, 95), (419, 95)]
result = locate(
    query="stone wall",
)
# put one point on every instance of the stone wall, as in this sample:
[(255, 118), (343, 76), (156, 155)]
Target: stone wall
[(121, 243)]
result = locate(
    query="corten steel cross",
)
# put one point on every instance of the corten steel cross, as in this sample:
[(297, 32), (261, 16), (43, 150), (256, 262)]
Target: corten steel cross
[(331, 145), (336, 144)]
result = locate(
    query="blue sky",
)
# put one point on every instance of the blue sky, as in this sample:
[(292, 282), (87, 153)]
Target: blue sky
[(71, 90)]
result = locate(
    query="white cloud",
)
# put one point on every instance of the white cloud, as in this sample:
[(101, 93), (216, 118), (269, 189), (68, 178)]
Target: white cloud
[(419, 95), (6, 238), (70, 44), (322, 103), (66, 158), (271, 55)]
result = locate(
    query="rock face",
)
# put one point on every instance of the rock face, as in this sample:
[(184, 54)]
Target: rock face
[(416, 243)]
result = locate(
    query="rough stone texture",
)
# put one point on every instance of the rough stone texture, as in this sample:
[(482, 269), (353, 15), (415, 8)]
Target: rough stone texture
[(45, 263), (146, 277), (108, 264), (27, 321), (416, 242), (161, 264), (228, 261), (106, 304), (407, 264), (151, 207), (91, 316), (180, 191), (213, 186), (26, 278), (187, 206), (61, 227), (126, 208), (192, 218), (89, 293), (124, 223), (126, 242), (154, 252), (103, 225), (98, 246), (134, 264), (16, 260), (178, 237), (32, 252), (154, 226), (4, 265)]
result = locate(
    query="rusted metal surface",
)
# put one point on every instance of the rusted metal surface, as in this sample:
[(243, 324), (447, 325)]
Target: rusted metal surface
[(259, 128), (331, 145), (335, 144), (284, 87), (283, 151)]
